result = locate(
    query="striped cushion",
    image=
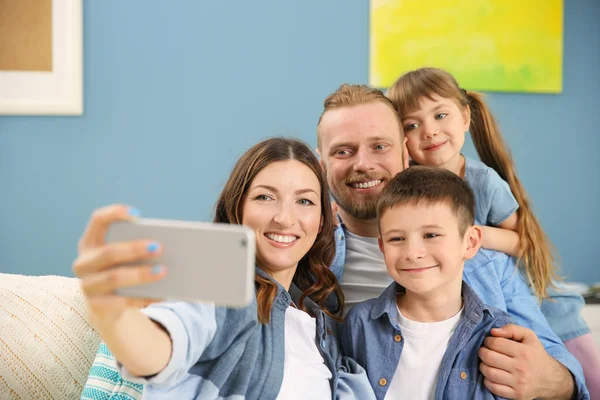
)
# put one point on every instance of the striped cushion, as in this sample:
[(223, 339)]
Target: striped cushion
[(104, 381)]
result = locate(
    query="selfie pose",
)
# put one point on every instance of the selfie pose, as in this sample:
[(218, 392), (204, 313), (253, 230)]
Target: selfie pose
[(282, 346)]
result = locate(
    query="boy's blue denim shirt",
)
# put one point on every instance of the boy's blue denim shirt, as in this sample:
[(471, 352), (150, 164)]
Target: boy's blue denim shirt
[(499, 284), (223, 352), (370, 336)]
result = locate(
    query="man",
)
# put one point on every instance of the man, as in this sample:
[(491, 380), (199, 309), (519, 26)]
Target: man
[(361, 145)]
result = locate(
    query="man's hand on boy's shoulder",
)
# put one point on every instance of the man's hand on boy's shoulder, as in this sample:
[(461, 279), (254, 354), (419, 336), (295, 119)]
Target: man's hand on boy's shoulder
[(515, 365)]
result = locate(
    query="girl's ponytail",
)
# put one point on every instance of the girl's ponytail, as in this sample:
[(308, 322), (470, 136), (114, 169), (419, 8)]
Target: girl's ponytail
[(536, 252)]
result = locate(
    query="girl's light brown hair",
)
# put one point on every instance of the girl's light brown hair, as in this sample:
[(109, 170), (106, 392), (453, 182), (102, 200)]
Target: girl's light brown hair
[(536, 253), (313, 276)]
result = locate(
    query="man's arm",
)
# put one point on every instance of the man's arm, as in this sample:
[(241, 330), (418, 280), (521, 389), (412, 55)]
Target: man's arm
[(553, 373)]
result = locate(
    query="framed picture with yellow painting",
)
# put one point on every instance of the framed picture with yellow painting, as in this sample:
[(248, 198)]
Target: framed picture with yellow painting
[(488, 45), (41, 57)]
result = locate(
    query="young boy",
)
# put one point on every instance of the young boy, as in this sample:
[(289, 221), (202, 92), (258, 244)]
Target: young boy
[(419, 339)]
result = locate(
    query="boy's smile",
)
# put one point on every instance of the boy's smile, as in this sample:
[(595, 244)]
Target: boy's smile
[(417, 270), (423, 248)]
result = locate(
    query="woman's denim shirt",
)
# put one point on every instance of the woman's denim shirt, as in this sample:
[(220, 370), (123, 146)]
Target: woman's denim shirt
[(225, 353)]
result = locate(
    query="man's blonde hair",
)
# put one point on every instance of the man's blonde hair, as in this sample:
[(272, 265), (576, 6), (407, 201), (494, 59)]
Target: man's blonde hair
[(354, 95)]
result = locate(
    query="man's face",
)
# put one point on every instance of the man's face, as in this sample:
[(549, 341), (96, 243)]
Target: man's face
[(361, 150)]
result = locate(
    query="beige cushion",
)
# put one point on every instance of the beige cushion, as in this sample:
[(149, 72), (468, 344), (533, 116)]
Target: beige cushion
[(46, 343)]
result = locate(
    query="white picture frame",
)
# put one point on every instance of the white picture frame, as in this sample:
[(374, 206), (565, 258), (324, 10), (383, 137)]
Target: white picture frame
[(56, 92)]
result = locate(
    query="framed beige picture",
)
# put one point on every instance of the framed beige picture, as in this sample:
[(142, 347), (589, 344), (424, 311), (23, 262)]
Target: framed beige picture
[(41, 57)]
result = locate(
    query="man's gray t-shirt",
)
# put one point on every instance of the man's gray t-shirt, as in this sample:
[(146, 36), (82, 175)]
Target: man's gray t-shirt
[(365, 275)]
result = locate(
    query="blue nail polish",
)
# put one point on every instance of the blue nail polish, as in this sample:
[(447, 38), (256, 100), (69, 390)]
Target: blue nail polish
[(157, 269), (134, 212), (152, 247)]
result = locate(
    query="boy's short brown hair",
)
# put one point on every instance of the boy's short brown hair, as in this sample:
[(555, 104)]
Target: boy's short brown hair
[(430, 185)]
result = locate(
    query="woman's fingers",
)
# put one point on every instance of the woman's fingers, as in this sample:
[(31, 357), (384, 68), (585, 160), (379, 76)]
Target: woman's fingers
[(100, 221), (97, 259), (106, 282)]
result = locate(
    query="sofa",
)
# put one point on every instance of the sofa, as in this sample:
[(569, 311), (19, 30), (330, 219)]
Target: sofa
[(46, 343)]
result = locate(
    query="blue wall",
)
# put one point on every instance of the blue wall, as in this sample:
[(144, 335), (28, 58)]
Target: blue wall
[(176, 91)]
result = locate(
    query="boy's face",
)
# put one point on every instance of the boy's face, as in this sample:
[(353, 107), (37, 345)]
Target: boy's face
[(423, 249)]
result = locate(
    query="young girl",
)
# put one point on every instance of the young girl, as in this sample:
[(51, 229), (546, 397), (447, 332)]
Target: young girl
[(282, 346), (436, 113)]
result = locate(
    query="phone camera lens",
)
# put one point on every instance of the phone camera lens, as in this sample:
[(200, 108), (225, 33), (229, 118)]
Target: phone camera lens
[(244, 242)]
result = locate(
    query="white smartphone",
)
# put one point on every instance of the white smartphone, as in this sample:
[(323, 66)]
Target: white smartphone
[(205, 261)]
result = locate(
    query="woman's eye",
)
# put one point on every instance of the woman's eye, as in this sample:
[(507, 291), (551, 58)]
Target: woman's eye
[(306, 202), (431, 235), (263, 197), (411, 127), (396, 239), (441, 115)]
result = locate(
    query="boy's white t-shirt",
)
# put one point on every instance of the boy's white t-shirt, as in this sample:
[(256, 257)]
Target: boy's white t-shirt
[(425, 344), (305, 375)]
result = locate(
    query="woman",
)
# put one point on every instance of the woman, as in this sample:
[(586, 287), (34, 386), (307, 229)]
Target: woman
[(283, 345)]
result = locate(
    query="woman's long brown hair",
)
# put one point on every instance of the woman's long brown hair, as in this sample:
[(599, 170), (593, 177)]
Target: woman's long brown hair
[(313, 275), (536, 253)]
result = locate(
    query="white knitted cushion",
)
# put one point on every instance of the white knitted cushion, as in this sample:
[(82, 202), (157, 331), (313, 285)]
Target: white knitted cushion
[(46, 343)]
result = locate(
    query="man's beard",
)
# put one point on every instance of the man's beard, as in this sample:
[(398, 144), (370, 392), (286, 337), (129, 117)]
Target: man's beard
[(359, 206)]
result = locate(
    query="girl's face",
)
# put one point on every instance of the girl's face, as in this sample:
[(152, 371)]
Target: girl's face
[(283, 207), (435, 132)]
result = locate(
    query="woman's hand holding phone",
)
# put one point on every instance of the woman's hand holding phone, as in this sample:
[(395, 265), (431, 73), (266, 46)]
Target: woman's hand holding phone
[(103, 268)]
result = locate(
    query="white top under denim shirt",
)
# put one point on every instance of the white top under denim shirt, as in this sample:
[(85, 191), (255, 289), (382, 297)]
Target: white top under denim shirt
[(425, 344), (305, 375), (225, 353)]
